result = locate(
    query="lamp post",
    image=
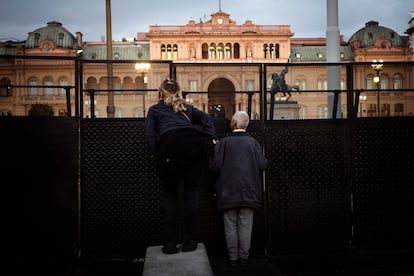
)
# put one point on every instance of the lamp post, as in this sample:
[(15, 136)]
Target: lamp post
[(377, 66), (143, 68), (362, 98)]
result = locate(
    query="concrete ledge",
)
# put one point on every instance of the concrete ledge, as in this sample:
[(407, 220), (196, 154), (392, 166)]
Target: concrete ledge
[(193, 263)]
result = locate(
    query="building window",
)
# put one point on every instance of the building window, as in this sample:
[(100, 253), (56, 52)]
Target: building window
[(384, 85), (265, 49), (118, 112), (193, 85), (343, 84), (5, 91), (397, 83), (370, 85), (398, 109), (236, 53), (117, 86), (227, 51), (175, 52), (322, 112), (204, 51), (220, 51), (271, 51), (169, 50), (48, 91), (33, 83), (303, 110), (385, 110), (383, 82), (163, 52), (322, 84), (249, 85), (301, 82), (212, 51), (62, 91), (371, 110), (277, 51)]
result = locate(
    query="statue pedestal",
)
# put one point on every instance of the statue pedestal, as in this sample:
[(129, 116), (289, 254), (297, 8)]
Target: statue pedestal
[(286, 110)]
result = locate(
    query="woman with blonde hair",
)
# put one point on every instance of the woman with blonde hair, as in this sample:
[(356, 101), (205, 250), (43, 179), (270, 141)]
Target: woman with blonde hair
[(173, 132)]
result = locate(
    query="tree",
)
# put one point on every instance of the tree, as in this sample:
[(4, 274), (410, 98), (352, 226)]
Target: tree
[(41, 110)]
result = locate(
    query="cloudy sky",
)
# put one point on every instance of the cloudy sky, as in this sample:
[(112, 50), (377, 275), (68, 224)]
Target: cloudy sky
[(307, 18)]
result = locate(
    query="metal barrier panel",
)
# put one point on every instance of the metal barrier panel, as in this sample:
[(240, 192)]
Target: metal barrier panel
[(383, 181), (39, 167), (120, 191), (308, 190)]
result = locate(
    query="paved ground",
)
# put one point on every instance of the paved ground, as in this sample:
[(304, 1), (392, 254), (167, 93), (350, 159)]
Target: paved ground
[(389, 262)]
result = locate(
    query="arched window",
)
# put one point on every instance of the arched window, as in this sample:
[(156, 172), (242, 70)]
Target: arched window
[(397, 84), (212, 51), (227, 51), (220, 51), (322, 84), (169, 51), (271, 51), (301, 82), (119, 112), (236, 50), (383, 82), (204, 51), (62, 82), (117, 86), (384, 85), (48, 91), (369, 82), (175, 52), (303, 110), (163, 52), (277, 50), (322, 112), (265, 49), (92, 83), (5, 91)]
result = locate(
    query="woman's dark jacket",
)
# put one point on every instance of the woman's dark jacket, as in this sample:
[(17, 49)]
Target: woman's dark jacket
[(162, 119), (238, 160)]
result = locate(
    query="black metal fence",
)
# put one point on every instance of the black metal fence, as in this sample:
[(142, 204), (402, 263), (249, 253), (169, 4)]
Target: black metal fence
[(330, 184)]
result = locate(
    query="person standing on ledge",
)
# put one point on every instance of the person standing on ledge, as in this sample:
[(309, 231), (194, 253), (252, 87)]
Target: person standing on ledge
[(182, 152), (238, 161)]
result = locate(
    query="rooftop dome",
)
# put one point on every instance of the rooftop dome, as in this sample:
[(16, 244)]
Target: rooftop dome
[(368, 35), (53, 31)]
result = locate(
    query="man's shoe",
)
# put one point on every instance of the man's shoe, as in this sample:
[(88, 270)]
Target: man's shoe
[(244, 262), (233, 263), (169, 249), (188, 246)]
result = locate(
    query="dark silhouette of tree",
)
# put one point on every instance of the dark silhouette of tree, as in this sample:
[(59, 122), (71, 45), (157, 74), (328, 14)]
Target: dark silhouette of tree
[(41, 110)]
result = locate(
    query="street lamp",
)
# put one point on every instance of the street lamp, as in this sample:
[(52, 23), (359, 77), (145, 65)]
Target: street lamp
[(362, 98), (377, 66), (143, 68)]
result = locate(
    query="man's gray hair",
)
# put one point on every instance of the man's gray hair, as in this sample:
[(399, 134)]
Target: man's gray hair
[(242, 119)]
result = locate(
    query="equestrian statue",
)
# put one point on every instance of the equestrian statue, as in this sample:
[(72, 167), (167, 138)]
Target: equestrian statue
[(279, 84)]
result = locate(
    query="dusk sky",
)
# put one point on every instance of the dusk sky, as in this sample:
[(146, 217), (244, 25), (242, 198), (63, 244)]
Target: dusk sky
[(307, 18)]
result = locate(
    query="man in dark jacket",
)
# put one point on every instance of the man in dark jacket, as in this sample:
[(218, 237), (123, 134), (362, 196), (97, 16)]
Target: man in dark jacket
[(238, 160)]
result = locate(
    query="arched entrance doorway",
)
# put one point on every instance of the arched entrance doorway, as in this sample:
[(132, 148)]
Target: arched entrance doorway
[(221, 93)]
